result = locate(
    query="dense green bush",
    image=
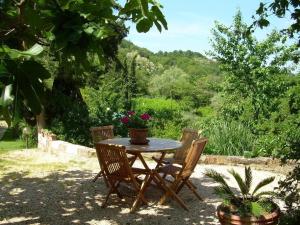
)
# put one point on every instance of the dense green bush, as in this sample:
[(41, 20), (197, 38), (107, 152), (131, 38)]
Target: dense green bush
[(228, 138), (69, 120), (167, 119)]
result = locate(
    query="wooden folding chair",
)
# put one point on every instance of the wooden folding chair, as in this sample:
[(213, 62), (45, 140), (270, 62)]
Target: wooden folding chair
[(180, 175), (102, 133), (188, 136), (99, 134), (117, 169)]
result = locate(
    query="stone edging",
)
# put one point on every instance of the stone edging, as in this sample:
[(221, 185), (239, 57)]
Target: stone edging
[(48, 142)]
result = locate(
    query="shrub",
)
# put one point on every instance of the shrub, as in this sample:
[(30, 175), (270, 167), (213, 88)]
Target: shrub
[(167, 119), (69, 120), (228, 138)]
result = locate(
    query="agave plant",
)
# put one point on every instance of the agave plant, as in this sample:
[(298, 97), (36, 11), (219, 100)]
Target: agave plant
[(247, 202)]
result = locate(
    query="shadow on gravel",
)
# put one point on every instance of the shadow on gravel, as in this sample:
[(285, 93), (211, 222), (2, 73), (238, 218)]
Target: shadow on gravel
[(71, 198)]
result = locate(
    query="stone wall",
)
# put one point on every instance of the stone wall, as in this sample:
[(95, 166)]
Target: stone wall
[(47, 141)]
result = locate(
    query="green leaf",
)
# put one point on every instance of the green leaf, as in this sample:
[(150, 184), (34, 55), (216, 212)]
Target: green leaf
[(89, 30), (34, 70), (144, 7), (217, 177), (3, 70), (257, 209), (260, 10), (144, 25), (15, 54), (263, 22), (263, 183), (157, 25), (248, 177), (240, 182), (160, 16), (266, 193), (35, 50), (31, 99)]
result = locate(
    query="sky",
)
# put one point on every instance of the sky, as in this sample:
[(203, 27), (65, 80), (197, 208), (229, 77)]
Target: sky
[(190, 23)]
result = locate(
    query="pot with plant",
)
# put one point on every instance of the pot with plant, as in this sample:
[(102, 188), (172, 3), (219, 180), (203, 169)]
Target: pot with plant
[(138, 127), (248, 207)]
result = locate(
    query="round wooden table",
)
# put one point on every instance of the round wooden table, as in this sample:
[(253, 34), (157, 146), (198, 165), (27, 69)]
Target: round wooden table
[(154, 145), (159, 145)]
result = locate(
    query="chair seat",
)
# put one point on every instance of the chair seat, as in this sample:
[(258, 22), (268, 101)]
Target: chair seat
[(169, 169)]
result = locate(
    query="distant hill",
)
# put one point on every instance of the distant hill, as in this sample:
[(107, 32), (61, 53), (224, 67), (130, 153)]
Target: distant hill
[(193, 63)]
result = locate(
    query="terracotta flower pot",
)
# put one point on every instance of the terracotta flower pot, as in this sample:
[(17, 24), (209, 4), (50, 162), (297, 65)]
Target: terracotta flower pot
[(138, 136), (229, 219)]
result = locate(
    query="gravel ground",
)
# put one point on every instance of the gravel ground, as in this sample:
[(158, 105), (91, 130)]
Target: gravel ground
[(42, 188)]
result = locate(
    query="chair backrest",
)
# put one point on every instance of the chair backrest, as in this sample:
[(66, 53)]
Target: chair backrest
[(193, 157), (114, 161), (188, 136), (102, 133)]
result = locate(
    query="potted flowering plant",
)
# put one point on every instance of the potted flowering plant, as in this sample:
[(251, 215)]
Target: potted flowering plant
[(137, 124)]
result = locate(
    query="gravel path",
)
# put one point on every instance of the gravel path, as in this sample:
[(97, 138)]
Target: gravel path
[(40, 188)]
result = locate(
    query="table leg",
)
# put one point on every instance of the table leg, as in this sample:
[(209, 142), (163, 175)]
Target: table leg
[(139, 155), (163, 154)]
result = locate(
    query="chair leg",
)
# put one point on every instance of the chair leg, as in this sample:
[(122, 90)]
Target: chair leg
[(179, 187), (191, 187), (140, 195), (169, 191), (113, 189), (97, 176), (190, 182), (104, 204), (172, 187), (117, 191), (101, 173)]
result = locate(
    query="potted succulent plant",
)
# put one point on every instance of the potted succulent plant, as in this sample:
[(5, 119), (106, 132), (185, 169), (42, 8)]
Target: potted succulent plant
[(248, 207), (137, 125)]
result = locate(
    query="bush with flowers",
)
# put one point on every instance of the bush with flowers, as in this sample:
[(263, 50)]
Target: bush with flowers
[(134, 120)]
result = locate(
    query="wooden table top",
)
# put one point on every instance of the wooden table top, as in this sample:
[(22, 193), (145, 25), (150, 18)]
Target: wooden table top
[(154, 145)]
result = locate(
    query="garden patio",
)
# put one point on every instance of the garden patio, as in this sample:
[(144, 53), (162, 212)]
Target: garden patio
[(47, 188)]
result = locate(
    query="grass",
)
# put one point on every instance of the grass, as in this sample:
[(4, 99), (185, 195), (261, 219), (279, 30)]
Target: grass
[(10, 142)]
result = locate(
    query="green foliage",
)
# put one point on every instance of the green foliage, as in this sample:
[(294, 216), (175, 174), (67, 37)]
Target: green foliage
[(73, 31), (228, 138), (71, 121), (281, 9), (167, 120), (14, 140), (246, 203), (254, 69), (173, 83), (289, 192)]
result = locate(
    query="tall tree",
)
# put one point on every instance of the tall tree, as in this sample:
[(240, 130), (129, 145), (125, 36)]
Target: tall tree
[(253, 68), (71, 30)]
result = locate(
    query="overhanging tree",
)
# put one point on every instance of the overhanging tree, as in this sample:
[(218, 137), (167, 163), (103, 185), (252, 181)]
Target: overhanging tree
[(70, 31)]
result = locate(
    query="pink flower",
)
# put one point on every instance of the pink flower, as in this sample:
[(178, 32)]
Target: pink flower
[(145, 116), (130, 113), (125, 119)]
